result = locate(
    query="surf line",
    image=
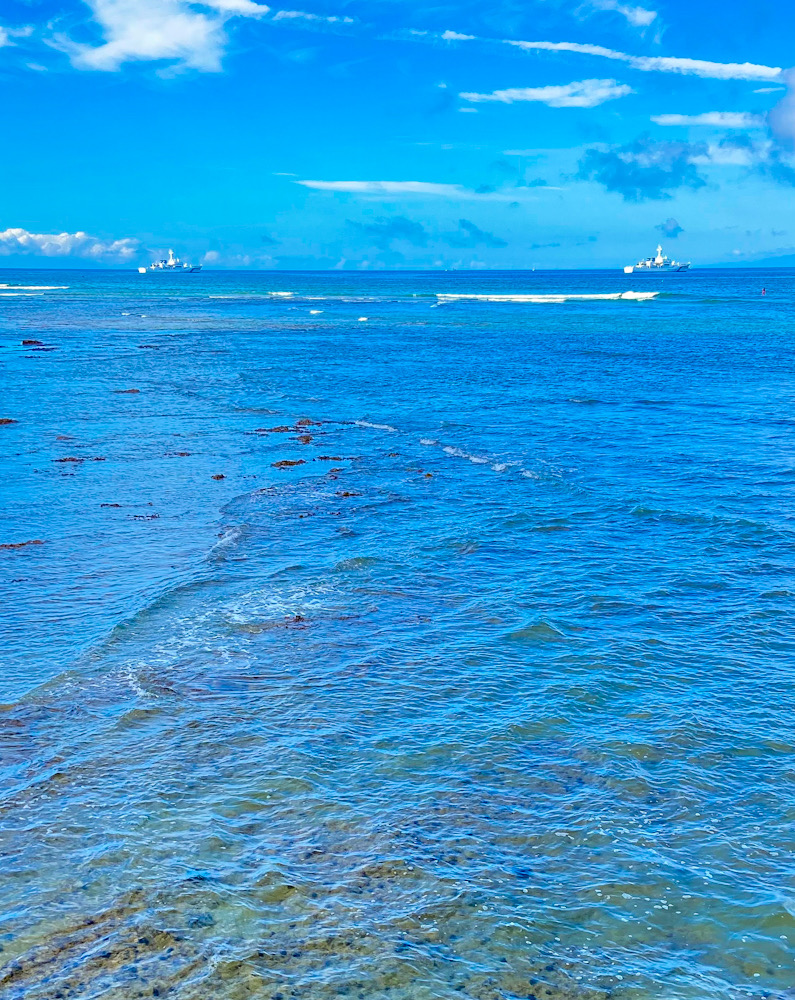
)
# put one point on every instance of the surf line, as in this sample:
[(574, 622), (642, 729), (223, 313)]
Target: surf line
[(554, 297)]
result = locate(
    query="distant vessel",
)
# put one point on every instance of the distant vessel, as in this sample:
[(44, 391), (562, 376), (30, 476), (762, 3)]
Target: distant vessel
[(657, 265), (172, 264)]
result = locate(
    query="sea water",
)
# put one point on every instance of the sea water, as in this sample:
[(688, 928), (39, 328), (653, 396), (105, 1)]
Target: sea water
[(397, 636)]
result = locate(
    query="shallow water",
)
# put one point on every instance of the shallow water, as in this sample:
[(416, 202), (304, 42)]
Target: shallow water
[(489, 697)]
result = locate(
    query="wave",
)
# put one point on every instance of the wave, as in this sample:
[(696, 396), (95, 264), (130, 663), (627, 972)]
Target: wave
[(547, 298), (376, 427), (34, 288)]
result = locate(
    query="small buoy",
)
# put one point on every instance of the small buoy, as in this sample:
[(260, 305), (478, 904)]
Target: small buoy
[(219, 476)]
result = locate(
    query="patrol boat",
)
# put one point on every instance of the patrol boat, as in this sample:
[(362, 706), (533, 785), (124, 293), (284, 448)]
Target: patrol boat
[(657, 265), (172, 264)]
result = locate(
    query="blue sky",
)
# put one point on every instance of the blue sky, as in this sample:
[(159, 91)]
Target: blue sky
[(396, 134)]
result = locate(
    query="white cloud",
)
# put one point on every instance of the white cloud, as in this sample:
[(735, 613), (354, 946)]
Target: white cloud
[(172, 30), (782, 117), (769, 90), (728, 155), (284, 15), (660, 64), (456, 36), (79, 244), (580, 94), (638, 17), (719, 119), (394, 187), (6, 34)]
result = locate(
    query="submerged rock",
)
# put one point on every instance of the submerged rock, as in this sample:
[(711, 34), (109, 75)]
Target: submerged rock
[(287, 463), (32, 343), (126, 392), (21, 545), (305, 438), (219, 475), (5, 421)]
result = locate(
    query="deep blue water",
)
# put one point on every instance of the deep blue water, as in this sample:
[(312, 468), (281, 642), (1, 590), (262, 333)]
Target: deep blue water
[(489, 697)]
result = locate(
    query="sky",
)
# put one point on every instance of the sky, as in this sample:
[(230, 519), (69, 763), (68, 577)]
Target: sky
[(393, 134)]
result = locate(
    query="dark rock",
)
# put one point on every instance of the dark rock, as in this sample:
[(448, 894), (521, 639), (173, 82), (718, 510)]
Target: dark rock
[(219, 476), (305, 438), (32, 343), (5, 421), (287, 463), (110, 505), (272, 430), (126, 392), (69, 458), (329, 458), (21, 545)]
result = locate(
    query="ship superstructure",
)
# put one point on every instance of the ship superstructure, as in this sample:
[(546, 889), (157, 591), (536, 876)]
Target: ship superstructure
[(656, 265), (171, 264)]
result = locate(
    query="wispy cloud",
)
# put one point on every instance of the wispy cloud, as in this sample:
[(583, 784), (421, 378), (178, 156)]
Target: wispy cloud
[(159, 30), (79, 244), (580, 94), (659, 64), (638, 17), (718, 119), (302, 15), (393, 187)]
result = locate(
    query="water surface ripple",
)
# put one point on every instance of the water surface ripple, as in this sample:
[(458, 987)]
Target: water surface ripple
[(446, 653)]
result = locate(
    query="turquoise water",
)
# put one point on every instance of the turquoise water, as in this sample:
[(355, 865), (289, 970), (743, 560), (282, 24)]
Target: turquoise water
[(489, 697)]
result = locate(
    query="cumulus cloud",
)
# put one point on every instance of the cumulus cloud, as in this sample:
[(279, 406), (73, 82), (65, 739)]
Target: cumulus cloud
[(580, 94), (456, 36), (644, 170), (469, 236), (159, 30), (670, 228), (392, 187), (383, 232), (782, 118), (660, 64), (718, 119), (79, 244)]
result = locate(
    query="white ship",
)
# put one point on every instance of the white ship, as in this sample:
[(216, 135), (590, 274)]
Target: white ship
[(657, 265), (172, 264)]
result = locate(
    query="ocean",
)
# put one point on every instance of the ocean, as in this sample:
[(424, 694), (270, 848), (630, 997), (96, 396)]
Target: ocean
[(377, 641)]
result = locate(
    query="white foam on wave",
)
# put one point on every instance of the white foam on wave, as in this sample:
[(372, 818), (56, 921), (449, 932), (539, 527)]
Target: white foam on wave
[(376, 427), (550, 298), (34, 288), (475, 459), (428, 441)]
